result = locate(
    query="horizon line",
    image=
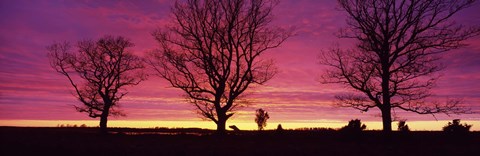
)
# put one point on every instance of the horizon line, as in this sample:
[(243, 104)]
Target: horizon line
[(243, 125)]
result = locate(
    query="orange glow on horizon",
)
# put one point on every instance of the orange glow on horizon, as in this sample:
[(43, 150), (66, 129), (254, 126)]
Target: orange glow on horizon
[(243, 125)]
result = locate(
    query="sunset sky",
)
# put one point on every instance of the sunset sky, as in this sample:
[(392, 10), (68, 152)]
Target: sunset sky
[(33, 94)]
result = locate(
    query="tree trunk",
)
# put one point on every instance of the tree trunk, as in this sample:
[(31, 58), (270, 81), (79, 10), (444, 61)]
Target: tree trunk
[(387, 105), (222, 120), (103, 124), (387, 119), (103, 120)]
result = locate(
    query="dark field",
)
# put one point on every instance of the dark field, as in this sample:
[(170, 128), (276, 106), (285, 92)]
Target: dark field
[(86, 141)]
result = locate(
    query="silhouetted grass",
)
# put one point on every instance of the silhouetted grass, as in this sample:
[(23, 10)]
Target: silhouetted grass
[(164, 141)]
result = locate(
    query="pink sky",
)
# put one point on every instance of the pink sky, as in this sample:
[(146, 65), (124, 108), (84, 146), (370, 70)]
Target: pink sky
[(31, 90)]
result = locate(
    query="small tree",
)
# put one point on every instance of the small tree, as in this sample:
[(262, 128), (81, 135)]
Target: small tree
[(456, 127), (402, 126), (106, 68), (261, 117), (354, 126)]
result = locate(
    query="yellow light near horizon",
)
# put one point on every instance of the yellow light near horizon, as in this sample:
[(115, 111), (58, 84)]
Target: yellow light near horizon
[(243, 125)]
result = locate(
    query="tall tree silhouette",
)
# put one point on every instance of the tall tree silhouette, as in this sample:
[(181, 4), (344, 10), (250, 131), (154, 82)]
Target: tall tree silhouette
[(212, 52), (395, 60), (104, 67)]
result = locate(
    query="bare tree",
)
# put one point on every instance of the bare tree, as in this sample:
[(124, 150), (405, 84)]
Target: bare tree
[(212, 52), (105, 68), (261, 117), (395, 60)]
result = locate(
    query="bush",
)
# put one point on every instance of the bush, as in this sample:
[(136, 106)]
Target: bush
[(279, 127), (456, 127), (402, 126), (279, 130), (354, 126)]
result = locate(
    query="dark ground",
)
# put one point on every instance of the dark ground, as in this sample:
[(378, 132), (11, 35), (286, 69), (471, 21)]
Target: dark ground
[(86, 142)]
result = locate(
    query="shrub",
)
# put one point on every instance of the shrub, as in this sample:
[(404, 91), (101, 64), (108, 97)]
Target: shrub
[(456, 127), (279, 127), (402, 126), (354, 126)]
